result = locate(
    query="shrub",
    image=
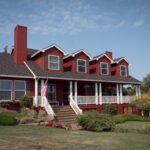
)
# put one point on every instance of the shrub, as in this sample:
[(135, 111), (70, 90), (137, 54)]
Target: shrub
[(110, 109), (26, 101), (94, 121), (6, 119), (129, 117)]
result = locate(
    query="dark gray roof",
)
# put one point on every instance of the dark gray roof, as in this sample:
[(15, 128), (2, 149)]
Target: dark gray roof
[(97, 56), (30, 52), (9, 68), (82, 77), (117, 59)]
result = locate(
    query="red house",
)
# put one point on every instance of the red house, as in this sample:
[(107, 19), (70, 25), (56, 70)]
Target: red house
[(76, 80)]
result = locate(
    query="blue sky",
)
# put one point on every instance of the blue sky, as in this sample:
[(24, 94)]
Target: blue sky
[(120, 26)]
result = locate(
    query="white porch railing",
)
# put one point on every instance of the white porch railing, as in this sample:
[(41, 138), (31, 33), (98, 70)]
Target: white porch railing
[(109, 99), (47, 106), (127, 99), (75, 106), (42, 101), (85, 100)]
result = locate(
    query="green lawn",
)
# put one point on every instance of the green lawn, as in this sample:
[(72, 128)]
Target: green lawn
[(24, 137)]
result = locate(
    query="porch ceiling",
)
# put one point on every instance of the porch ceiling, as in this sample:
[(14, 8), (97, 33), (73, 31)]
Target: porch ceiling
[(79, 77)]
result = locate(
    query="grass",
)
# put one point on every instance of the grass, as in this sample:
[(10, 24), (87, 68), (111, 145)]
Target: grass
[(134, 127), (45, 138)]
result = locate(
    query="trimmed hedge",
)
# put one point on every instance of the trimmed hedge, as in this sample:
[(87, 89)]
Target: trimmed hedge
[(94, 121), (129, 117), (6, 119)]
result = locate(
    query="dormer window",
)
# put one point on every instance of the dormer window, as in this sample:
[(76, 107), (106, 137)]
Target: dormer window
[(104, 68), (123, 70), (81, 65), (53, 62)]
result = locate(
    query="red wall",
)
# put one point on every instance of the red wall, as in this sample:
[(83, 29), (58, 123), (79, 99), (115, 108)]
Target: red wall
[(72, 61), (42, 58), (116, 67), (96, 64)]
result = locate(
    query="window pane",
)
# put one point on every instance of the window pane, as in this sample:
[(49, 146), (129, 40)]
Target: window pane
[(5, 85), (54, 66), (20, 85), (19, 94), (81, 63), (104, 68), (5, 95), (81, 69), (123, 70), (53, 59)]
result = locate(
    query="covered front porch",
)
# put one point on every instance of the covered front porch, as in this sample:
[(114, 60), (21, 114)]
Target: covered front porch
[(60, 92)]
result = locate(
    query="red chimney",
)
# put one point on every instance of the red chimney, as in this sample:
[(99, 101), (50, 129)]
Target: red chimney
[(20, 44), (109, 54)]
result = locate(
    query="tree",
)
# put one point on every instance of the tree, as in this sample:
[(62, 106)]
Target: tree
[(142, 103), (146, 83)]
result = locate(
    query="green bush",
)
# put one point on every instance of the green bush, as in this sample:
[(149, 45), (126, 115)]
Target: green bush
[(6, 119), (26, 101), (129, 117), (110, 109), (94, 121)]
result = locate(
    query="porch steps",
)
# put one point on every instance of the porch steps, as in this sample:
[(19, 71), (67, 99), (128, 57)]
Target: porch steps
[(64, 114)]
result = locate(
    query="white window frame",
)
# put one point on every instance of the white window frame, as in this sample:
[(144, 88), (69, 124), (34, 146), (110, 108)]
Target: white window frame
[(55, 92), (125, 70), (8, 89), (101, 68), (79, 65), (49, 67), (20, 90)]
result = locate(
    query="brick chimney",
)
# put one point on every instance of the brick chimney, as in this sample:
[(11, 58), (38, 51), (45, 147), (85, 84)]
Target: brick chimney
[(109, 54), (20, 44)]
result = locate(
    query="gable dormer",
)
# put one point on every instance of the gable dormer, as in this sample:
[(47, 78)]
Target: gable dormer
[(77, 62), (50, 58), (120, 67), (100, 64)]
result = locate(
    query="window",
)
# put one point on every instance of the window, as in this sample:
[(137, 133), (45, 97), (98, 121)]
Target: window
[(51, 92), (81, 65), (53, 62), (104, 68), (19, 88), (5, 89), (123, 70)]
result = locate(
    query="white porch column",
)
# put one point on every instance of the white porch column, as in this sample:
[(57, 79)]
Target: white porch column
[(42, 84), (117, 89), (36, 92), (137, 90), (121, 94), (70, 94), (75, 91), (100, 94), (96, 93)]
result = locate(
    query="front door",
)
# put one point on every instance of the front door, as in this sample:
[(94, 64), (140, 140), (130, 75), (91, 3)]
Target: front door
[(51, 92)]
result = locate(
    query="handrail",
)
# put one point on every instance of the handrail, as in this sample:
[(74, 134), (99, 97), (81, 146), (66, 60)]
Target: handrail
[(47, 106), (75, 107)]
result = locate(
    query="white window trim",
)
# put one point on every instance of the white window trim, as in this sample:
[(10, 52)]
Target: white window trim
[(125, 70), (58, 62), (20, 90), (55, 91), (9, 89), (78, 65), (101, 68)]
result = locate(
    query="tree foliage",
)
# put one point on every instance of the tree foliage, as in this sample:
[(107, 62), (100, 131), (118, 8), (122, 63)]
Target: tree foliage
[(146, 83), (142, 103)]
